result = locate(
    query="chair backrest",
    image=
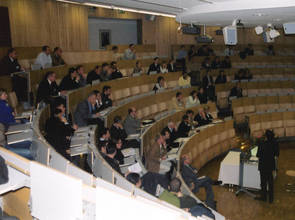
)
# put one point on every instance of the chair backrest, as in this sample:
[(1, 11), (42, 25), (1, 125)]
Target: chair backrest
[(13, 100)]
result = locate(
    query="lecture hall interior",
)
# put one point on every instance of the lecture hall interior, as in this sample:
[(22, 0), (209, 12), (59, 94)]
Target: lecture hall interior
[(147, 109)]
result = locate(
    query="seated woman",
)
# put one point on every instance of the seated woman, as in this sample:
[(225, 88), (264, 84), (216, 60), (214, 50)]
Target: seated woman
[(138, 70), (6, 112), (163, 67), (192, 99), (184, 80), (59, 131), (160, 85)]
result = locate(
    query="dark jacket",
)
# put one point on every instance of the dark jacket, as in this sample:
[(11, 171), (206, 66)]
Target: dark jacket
[(116, 75), (201, 121), (220, 79), (68, 83), (203, 98), (57, 60), (57, 133), (118, 133), (206, 80), (154, 68), (189, 174), (113, 163), (183, 129), (46, 91), (7, 66), (92, 76), (267, 150), (226, 64), (171, 68), (106, 101), (150, 181), (235, 91)]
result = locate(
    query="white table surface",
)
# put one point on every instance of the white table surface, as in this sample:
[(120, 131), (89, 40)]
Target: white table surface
[(230, 168)]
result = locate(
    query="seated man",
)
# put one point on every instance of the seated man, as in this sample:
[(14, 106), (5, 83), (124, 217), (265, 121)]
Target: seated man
[(202, 96), (138, 70), (190, 177), (59, 132), (131, 123), (184, 127), (116, 55), (208, 85), (236, 91), (57, 59), (98, 105), (154, 67), (106, 97), (82, 76), (103, 135), (184, 80), (111, 152), (117, 130), (70, 81), (160, 85), (6, 112), (116, 74), (156, 158), (95, 74), (44, 58), (207, 113), (130, 53), (171, 128), (221, 78), (9, 64), (48, 88), (178, 102), (172, 195), (201, 118), (85, 113)]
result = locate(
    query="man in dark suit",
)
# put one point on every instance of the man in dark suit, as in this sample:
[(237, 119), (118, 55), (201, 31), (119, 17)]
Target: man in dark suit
[(208, 85), (221, 78), (236, 91), (9, 63), (201, 118), (48, 88), (267, 151), (171, 66), (70, 81), (202, 96), (192, 180), (116, 74), (117, 130), (95, 74), (106, 100), (111, 152), (184, 127), (85, 112), (154, 67), (171, 128)]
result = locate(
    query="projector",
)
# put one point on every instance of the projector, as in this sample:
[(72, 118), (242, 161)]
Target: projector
[(204, 39)]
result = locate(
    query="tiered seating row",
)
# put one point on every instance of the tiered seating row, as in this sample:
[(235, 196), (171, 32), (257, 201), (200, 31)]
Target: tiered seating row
[(283, 123)]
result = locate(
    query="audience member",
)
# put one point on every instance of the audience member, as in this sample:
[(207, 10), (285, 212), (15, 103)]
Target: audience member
[(70, 81), (236, 91), (239, 74), (192, 52), (171, 66), (48, 89), (247, 74), (208, 85), (156, 157), (184, 127), (172, 195), (192, 100), (130, 53), (102, 147), (229, 51), (216, 63), (116, 74), (86, 114), (9, 63), (57, 59), (138, 70), (105, 69), (171, 128), (195, 78), (94, 75), (203, 51), (270, 51), (131, 123), (6, 112), (116, 56), (178, 102), (59, 132), (117, 130), (111, 152), (103, 135), (154, 67), (181, 57), (82, 76), (249, 51), (208, 114), (160, 85), (163, 67), (184, 80), (202, 96), (106, 97), (118, 143), (44, 58), (221, 78), (201, 118), (226, 63), (206, 63), (191, 178), (98, 107), (135, 179)]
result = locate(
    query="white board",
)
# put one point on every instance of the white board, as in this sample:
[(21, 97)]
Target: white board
[(54, 195)]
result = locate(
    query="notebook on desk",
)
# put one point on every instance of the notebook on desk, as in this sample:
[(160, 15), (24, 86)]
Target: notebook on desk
[(20, 137), (79, 141)]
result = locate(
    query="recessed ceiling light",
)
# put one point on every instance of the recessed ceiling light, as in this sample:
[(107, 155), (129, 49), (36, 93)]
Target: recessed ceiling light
[(277, 19), (259, 14)]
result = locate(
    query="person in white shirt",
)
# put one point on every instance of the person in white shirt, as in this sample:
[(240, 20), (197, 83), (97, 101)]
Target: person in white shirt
[(44, 58), (163, 68), (129, 53), (192, 100)]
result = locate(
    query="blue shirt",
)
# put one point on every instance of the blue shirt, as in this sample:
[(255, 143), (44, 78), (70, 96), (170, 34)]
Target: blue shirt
[(6, 116), (181, 54)]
